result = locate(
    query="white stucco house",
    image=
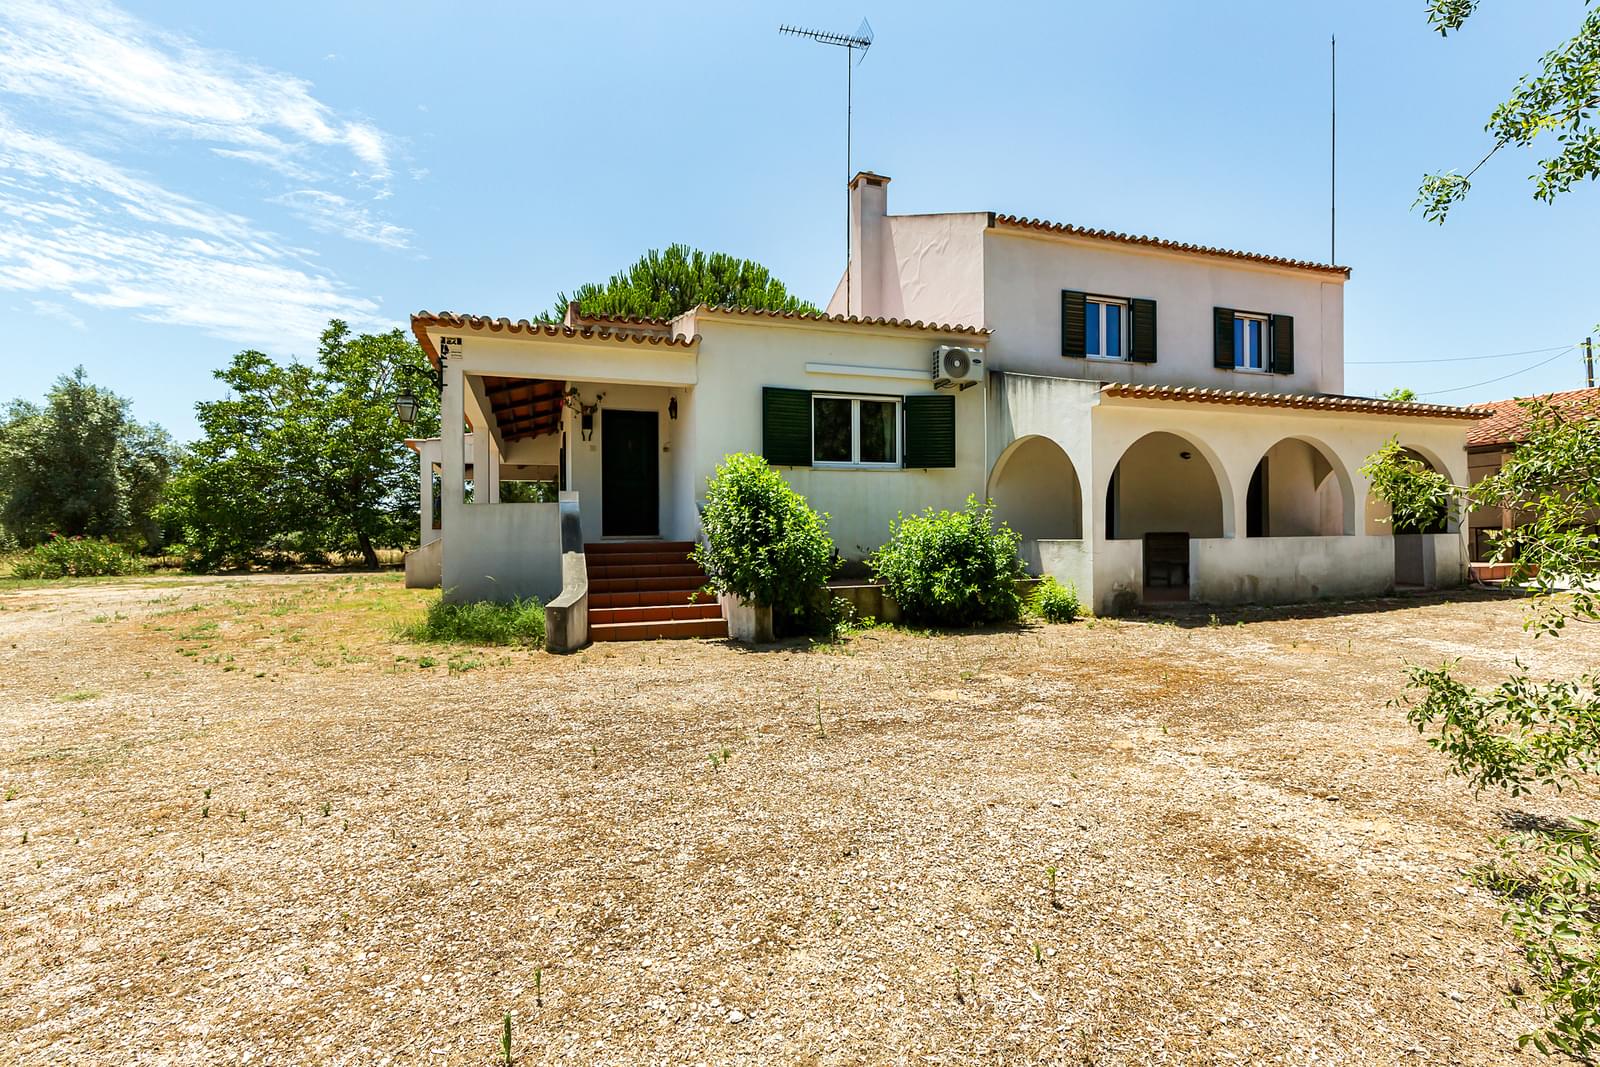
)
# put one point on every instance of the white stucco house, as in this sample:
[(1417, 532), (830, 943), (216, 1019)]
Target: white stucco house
[(1159, 421)]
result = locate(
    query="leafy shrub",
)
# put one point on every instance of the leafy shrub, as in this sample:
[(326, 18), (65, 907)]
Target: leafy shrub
[(1054, 602), (480, 622), (763, 542), (952, 568), (76, 557)]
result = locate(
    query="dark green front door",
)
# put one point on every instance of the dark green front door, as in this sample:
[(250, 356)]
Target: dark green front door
[(630, 474)]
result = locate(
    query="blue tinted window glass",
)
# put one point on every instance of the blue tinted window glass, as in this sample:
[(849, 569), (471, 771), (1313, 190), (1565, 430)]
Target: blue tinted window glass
[(1092, 327), (1238, 343), (1255, 344), (1114, 331)]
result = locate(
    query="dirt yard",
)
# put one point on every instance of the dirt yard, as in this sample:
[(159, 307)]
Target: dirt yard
[(245, 823)]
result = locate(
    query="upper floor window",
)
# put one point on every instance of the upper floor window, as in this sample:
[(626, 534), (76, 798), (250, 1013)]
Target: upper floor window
[(1250, 341), (855, 431), (1108, 327), (1104, 328)]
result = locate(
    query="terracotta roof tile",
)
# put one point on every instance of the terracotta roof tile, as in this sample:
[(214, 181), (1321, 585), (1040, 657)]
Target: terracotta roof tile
[(845, 320), (1509, 420), (424, 319), (1067, 229), (1301, 401)]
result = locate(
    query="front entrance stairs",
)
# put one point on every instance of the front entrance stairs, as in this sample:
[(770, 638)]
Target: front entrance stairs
[(647, 590)]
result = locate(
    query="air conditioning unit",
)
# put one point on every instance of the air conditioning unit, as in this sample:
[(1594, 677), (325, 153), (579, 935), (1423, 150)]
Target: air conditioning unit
[(960, 367)]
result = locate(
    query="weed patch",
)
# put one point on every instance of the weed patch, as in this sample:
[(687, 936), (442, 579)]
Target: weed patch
[(479, 623)]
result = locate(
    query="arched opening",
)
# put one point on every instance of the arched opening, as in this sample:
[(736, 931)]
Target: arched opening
[(1299, 489), (1378, 512), (1165, 492), (1036, 492), (1163, 484)]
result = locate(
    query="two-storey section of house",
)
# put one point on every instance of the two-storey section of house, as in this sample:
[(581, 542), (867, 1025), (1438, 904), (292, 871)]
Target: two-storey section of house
[(1164, 420)]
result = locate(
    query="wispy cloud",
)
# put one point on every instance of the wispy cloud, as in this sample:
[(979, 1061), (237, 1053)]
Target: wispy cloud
[(52, 310), (332, 213), (97, 58), (81, 226)]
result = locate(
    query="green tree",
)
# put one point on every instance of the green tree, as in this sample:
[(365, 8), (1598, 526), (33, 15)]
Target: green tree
[(302, 460), (1400, 395), (1560, 99), (78, 465), (1528, 733), (662, 285)]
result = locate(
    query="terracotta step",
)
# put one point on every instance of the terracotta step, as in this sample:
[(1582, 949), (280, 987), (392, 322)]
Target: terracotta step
[(654, 570), (649, 598), (653, 631), (642, 585), (615, 560), (654, 613), (604, 548)]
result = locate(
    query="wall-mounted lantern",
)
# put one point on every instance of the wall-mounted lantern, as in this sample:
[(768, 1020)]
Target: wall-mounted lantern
[(405, 408), (574, 401), (672, 409)]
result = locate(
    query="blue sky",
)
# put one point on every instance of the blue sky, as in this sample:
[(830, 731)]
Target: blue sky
[(179, 181)]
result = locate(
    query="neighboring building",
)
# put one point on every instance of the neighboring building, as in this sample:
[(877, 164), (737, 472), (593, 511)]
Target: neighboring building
[(1492, 440), (1159, 421)]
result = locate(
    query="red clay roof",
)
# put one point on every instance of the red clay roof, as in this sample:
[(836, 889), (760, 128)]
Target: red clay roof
[(846, 320), (1508, 422), (1020, 223), (1301, 401), (424, 319)]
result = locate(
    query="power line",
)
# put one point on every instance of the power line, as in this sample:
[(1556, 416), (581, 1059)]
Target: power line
[(1503, 377), (1454, 359)]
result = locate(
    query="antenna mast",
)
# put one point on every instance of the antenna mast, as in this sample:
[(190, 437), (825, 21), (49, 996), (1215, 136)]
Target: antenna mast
[(1333, 147), (861, 39)]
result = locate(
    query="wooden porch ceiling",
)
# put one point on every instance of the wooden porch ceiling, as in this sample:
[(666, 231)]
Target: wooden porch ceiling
[(524, 407)]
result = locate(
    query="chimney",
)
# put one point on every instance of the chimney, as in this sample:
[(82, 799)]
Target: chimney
[(869, 239)]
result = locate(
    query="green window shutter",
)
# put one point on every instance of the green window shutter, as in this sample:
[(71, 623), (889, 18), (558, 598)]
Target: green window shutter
[(1142, 335), (1283, 344), (786, 427), (931, 430), (1222, 338), (1074, 325)]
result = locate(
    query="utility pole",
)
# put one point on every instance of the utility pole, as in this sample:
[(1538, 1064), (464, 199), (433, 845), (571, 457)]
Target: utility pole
[(1588, 359)]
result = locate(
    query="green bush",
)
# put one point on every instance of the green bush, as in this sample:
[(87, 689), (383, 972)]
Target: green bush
[(952, 568), (1054, 602), (76, 557), (480, 622), (763, 543)]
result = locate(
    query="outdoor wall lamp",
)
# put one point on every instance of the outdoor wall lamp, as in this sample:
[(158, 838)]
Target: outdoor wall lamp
[(405, 404), (672, 409), (405, 408), (573, 400)]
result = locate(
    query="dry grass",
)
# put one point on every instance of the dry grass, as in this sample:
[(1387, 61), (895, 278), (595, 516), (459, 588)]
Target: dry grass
[(258, 822)]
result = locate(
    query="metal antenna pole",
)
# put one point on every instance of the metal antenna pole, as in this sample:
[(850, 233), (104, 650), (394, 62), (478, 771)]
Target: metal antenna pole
[(1588, 360), (861, 39), (1333, 148)]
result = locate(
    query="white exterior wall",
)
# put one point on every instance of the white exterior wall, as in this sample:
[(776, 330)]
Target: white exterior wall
[(738, 358), (1023, 276)]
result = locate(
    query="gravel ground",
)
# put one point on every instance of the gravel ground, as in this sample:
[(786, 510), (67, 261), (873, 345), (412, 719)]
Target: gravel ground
[(247, 823)]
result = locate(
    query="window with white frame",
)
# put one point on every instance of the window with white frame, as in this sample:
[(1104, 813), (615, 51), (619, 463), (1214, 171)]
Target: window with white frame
[(1105, 328), (1250, 342), (855, 431)]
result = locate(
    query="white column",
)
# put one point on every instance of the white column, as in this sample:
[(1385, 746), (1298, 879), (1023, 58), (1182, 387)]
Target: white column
[(425, 493), (491, 465), (453, 446)]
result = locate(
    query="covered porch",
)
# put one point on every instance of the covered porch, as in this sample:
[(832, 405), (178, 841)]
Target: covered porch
[(551, 434), (1150, 495)]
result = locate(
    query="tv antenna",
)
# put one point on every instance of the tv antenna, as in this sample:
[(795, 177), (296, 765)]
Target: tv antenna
[(860, 41)]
